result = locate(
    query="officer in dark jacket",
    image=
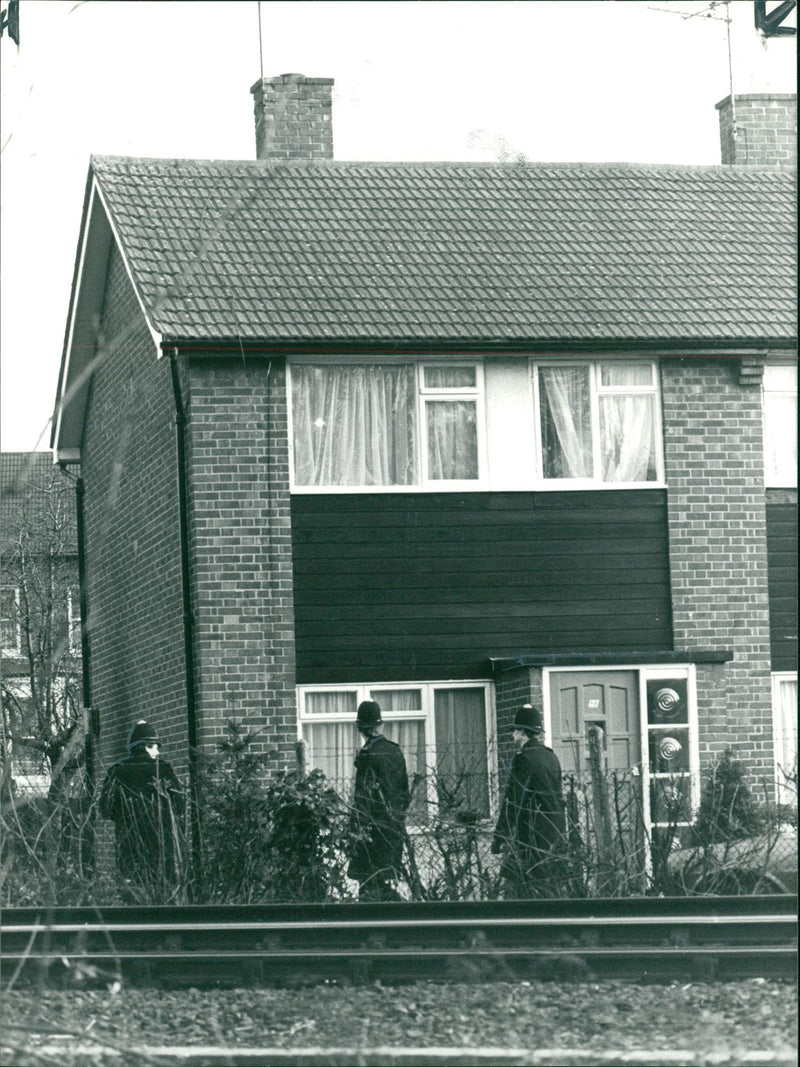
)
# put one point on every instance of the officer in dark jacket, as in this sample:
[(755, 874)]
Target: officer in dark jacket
[(380, 803), (143, 796), (531, 827)]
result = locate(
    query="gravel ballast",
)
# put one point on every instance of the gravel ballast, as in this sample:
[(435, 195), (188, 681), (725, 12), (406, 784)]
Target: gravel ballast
[(720, 1020)]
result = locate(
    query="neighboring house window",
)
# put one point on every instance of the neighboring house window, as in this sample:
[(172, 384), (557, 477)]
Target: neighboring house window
[(780, 425), (598, 422), (67, 622), (386, 424), (784, 711), (10, 620), (74, 618), (443, 730)]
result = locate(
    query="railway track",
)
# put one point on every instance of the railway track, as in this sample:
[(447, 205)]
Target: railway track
[(644, 938)]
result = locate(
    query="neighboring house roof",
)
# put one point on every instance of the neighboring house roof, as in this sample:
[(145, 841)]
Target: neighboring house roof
[(473, 253), (37, 498)]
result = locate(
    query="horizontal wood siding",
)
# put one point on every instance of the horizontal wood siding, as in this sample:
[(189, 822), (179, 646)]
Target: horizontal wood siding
[(782, 563), (415, 586)]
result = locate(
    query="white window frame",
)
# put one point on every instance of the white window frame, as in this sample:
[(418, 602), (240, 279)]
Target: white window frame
[(596, 391), (424, 482), (788, 479), (782, 757), (372, 691), (13, 649), (646, 672), (430, 394)]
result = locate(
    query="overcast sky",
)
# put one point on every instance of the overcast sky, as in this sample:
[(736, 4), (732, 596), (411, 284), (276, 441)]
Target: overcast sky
[(603, 80)]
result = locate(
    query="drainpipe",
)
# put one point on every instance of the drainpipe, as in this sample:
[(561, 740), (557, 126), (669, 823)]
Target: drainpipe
[(186, 591), (86, 652)]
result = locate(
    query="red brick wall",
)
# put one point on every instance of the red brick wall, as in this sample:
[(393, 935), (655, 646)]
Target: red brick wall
[(241, 550), (513, 688), (293, 117), (133, 572), (718, 552), (765, 132)]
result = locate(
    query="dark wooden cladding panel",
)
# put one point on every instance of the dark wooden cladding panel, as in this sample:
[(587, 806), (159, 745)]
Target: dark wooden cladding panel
[(782, 564), (414, 586)]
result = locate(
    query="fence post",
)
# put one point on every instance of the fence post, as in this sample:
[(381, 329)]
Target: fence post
[(605, 867)]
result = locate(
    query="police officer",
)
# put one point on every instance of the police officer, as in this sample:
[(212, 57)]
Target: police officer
[(380, 804), (142, 795), (531, 828)]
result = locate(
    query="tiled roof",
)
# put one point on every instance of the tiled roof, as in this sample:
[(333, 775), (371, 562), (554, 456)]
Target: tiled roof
[(460, 252)]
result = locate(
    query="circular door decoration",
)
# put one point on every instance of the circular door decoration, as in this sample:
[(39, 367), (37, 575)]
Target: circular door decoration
[(669, 749), (668, 703)]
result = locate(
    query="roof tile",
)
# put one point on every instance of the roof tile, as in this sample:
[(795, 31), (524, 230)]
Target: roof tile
[(287, 251)]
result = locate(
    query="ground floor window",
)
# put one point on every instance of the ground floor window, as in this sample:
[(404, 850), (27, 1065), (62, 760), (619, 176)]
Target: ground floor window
[(784, 711), (444, 729)]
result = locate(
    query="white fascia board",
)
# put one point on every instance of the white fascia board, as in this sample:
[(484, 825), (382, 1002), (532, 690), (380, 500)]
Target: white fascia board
[(156, 336), (80, 347)]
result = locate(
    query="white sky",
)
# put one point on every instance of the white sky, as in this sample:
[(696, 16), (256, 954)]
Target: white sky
[(601, 80)]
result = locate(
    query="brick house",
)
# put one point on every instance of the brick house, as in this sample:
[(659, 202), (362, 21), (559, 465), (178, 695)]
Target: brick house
[(450, 435)]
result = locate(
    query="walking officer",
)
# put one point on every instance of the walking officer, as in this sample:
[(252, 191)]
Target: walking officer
[(531, 828), (380, 804)]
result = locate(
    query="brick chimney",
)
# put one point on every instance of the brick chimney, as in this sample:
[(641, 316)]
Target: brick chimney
[(293, 117), (765, 132)]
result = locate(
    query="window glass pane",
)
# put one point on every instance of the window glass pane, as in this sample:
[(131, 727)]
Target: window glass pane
[(461, 750), (410, 736), (398, 699), (667, 701), (354, 425), (669, 751), (627, 438), (786, 739), (449, 377), (618, 374), (780, 439), (566, 422), (331, 748), (671, 799), (452, 439), (335, 703)]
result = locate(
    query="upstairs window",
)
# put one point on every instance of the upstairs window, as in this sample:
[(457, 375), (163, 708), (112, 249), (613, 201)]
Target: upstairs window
[(401, 425), (780, 425), (598, 423), (9, 620)]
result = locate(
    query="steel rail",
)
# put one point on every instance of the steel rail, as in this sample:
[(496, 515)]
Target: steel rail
[(640, 937)]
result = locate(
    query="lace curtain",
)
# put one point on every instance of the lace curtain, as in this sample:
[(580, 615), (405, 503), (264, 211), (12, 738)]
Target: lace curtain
[(627, 424), (457, 769), (354, 425)]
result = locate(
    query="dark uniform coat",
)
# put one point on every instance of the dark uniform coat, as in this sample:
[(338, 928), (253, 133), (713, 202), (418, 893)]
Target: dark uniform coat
[(380, 801), (531, 827), (143, 797)]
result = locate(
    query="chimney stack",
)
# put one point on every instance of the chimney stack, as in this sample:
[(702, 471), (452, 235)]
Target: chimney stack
[(763, 131), (293, 117)]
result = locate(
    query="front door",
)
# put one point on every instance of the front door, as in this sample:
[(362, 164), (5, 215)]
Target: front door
[(595, 713), (594, 722)]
